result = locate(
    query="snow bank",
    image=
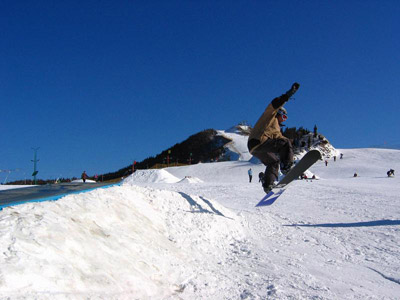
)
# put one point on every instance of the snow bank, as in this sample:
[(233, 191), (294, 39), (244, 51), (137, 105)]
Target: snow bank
[(120, 243), (81, 181), (11, 186), (150, 176)]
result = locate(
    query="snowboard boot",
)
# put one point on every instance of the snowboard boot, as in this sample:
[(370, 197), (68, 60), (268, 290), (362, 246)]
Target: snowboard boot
[(267, 188), (293, 90), (286, 168)]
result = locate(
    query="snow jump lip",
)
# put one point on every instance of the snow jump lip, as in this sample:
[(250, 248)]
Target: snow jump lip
[(48, 192)]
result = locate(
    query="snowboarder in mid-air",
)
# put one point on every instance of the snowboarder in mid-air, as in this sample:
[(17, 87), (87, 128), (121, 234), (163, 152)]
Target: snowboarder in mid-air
[(267, 143)]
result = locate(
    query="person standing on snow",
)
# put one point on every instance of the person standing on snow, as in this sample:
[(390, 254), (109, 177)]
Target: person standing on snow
[(84, 176), (267, 143), (250, 172)]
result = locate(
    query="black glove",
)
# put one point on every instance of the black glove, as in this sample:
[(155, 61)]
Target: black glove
[(293, 89)]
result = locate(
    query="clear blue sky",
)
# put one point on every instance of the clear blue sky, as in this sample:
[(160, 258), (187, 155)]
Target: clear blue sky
[(98, 84)]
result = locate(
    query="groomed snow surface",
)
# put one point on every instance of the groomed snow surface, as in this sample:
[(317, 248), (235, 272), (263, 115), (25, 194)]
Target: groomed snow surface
[(194, 233)]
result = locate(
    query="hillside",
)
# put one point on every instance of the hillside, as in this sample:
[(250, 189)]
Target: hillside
[(203, 146)]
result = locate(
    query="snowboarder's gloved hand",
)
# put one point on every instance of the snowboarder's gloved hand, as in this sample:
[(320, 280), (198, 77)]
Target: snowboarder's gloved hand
[(295, 86), (293, 89)]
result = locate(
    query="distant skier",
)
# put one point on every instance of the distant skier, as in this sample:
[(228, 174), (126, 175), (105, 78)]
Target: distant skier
[(84, 176), (250, 172), (390, 173), (341, 155), (267, 143)]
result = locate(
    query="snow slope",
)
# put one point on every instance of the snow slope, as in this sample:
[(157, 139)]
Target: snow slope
[(162, 235), (237, 149)]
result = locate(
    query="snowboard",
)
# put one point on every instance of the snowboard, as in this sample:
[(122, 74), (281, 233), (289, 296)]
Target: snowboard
[(303, 165)]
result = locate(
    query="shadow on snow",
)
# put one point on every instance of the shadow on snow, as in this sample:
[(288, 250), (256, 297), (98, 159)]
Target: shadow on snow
[(211, 209), (355, 224)]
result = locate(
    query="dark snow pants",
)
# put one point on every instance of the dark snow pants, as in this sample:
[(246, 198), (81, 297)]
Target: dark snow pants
[(271, 153)]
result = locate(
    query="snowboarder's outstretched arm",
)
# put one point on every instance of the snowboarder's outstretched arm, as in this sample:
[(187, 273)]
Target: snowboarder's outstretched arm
[(267, 126), (279, 101)]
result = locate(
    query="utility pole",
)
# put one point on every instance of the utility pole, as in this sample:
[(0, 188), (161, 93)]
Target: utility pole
[(35, 171)]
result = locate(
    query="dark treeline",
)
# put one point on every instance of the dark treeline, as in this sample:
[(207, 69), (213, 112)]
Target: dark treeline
[(204, 146), (302, 138)]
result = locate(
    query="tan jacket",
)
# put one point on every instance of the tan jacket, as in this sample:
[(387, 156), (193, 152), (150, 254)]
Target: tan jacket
[(267, 127)]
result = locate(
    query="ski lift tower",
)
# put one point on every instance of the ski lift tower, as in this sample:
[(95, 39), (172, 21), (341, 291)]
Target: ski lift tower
[(35, 171)]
